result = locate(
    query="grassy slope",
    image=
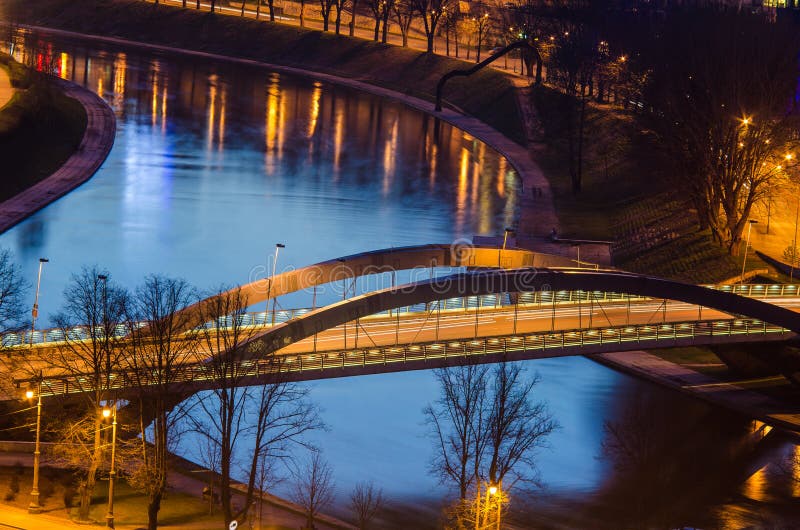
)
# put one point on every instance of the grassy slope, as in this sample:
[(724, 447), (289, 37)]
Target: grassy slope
[(39, 129), (487, 95), (627, 198)]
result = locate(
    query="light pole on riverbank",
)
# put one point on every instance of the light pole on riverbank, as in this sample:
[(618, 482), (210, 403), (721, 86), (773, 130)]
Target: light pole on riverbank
[(34, 506), (112, 413)]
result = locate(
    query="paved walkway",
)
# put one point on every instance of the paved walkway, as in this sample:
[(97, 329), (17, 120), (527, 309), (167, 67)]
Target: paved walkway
[(691, 382), (92, 151), (6, 91)]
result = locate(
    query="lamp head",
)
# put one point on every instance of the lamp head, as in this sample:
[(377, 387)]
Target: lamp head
[(29, 394), (106, 412), (492, 490)]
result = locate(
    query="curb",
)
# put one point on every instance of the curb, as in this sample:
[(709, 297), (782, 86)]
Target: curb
[(96, 144)]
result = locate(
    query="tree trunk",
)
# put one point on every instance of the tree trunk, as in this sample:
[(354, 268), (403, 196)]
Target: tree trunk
[(430, 42), (152, 511), (338, 24), (385, 34), (91, 475), (578, 182), (353, 18), (302, 13), (377, 28), (539, 71)]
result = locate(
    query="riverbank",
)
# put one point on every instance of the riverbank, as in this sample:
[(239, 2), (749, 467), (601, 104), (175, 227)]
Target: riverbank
[(41, 127), (740, 396), (95, 144)]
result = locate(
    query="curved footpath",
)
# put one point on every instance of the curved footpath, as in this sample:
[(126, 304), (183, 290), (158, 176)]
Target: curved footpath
[(98, 138), (537, 216)]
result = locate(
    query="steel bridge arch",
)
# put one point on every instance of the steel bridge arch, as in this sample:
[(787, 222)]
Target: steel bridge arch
[(383, 261), (496, 281)]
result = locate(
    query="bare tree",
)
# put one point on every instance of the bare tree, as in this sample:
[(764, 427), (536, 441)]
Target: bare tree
[(158, 354), (455, 423), (223, 338), (431, 12), (725, 112), (482, 23), (339, 5), (283, 415), (365, 501), (314, 487), (575, 59), (516, 426), (12, 289), (404, 14), (379, 9), (353, 11), (486, 429), (90, 319), (325, 7), (273, 416)]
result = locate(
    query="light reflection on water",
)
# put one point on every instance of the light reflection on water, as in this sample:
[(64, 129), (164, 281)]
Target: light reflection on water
[(214, 163)]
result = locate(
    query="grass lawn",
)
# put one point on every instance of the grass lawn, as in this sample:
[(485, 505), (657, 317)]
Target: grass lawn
[(178, 510), (40, 128)]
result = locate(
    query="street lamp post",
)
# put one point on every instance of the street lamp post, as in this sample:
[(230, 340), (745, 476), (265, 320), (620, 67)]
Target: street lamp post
[(278, 246), (578, 250), (112, 412), (34, 506), (35, 311), (794, 242), (506, 231), (750, 224)]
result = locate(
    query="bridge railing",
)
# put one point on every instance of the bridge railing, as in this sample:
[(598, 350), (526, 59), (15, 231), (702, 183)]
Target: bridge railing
[(268, 318), (644, 336)]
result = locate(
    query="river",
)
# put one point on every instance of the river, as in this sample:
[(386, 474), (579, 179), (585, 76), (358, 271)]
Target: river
[(215, 162)]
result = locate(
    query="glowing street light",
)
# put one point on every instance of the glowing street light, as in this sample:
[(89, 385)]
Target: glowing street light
[(34, 506), (111, 413), (278, 246)]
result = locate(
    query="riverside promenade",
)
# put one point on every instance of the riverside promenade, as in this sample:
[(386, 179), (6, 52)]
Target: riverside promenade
[(731, 395), (80, 167)]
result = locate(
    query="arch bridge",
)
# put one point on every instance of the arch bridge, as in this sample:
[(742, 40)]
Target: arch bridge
[(506, 304)]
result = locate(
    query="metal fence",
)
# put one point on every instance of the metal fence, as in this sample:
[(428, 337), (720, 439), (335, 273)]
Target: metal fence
[(466, 303)]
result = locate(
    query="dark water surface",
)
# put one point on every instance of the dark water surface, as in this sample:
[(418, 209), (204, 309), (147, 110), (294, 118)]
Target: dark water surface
[(214, 163)]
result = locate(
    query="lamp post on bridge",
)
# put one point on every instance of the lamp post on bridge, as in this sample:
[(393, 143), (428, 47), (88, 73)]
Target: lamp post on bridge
[(278, 246), (750, 224), (506, 231)]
